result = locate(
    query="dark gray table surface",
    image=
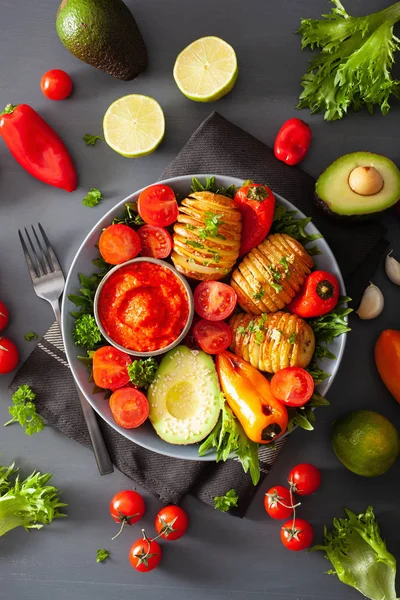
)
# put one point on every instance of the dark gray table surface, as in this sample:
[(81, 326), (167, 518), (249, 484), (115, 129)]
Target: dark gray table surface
[(221, 557)]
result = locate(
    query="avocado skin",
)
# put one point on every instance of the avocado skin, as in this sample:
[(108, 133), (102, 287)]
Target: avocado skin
[(103, 34)]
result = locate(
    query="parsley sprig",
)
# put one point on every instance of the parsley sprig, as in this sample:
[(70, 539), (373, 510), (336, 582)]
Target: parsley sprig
[(226, 502), (23, 411), (102, 555), (285, 221), (130, 216), (86, 333), (142, 372), (87, 291), (92, 198), (211, 186), (91, 140)]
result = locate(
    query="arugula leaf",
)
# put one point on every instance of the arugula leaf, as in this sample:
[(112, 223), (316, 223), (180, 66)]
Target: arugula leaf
[(225, 503), (353, 68), (87, 291), (23, 411), (92, 198), (211, 186), (31, 335), (302, 417), (102, 555), (285, 222), (329, 326), (90, 140), (359, 555), (316, 373), (30, 503), (142, 372), (318, 400), (228, 438), (314, 250), (86, 333), (130, 216)]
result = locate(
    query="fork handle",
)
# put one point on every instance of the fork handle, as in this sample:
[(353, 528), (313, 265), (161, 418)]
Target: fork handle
[(101, 454)]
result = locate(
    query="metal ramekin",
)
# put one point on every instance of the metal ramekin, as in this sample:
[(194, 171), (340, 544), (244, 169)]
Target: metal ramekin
[(189, 296)]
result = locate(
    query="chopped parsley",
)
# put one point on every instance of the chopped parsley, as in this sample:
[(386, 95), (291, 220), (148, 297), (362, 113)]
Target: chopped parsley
[(189, 226), (241, 330), (276, 286), (194, 244), (259, 337), (31, 335), (91, 140), (292, 338), (102, 555), (130, 215), (224, 503), (275, 274), (259, 295), (285, 264)]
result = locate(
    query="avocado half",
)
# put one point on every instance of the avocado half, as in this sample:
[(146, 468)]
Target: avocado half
[(357, 185), (103, 34)]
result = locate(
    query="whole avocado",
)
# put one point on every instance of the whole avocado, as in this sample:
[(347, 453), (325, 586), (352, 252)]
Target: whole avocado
[(104, 34)]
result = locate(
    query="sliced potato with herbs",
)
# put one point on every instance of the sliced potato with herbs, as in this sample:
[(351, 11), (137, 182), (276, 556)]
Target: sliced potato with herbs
[(271, 274), (271, 342), (206, 236)]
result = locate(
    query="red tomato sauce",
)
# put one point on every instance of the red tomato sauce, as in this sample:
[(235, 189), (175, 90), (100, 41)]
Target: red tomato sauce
[(143, 306)]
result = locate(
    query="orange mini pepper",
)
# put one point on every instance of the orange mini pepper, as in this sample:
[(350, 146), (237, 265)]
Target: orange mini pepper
[(248, 393), (387, 359)]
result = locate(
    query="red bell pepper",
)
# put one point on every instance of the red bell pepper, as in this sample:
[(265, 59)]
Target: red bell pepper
[(37, 147), (256, 203), (318, 296), (293, 141)]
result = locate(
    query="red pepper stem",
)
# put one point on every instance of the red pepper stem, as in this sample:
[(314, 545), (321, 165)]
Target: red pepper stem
[(9, 109)]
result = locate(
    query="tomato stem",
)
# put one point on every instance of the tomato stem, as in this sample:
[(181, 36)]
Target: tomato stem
[(123, 523), (9, 109)]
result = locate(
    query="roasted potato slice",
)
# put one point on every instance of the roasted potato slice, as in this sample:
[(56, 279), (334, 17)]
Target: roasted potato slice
[(272, 342), (268, 278), (206, 236)]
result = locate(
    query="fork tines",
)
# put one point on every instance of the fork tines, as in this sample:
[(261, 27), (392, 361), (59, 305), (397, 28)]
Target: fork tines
[(39, 255)]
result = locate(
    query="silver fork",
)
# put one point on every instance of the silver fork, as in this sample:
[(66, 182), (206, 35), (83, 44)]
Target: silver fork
[(48, 282)]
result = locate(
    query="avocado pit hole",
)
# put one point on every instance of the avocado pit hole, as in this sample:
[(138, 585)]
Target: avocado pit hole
[(366, 181)]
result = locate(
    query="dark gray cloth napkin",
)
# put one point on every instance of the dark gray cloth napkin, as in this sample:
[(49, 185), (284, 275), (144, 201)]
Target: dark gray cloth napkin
[(216, 147)]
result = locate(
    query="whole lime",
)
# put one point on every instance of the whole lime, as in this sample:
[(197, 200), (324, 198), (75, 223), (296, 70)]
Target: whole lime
[(365, 442)]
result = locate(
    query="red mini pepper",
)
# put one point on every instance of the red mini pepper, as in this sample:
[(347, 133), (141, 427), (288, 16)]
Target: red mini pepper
[(318, 296), (293, 141), (37, 147), (256, 203)]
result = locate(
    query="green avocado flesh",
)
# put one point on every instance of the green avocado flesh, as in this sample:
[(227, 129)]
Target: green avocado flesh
[(335, 196), (104, 34), (184, 398)]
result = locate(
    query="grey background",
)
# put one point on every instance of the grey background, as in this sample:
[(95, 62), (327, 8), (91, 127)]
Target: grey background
[(221, 557)]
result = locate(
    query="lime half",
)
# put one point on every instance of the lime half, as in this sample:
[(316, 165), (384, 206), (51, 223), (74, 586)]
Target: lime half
[(134, 125), (206, 70)]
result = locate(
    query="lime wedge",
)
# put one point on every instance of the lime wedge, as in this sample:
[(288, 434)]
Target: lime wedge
[(206, 70), (134, 125)]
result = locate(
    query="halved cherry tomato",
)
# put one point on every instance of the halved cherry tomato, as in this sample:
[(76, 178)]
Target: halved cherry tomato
[(214, 301), (157, 205), (293, 386), (127, 507), (171, 522), (145, 554), (297, 534), (256, 203), (110, 367), (304, 479), (278, 502), (154, 241), (212, 336), (3, 315), (119, 243), (9, 356), (129, 407), (56, 84)]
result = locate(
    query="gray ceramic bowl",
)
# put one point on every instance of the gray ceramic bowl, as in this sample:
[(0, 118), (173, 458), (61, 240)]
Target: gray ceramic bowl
[(145, 435), (190, 302)]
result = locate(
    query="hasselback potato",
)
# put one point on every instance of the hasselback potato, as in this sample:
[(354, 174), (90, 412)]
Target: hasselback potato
[(271, 274), (271, 342), (206, 236)]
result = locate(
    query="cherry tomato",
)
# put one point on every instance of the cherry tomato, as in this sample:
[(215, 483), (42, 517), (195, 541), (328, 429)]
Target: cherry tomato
[(212, 336), (56, 84), (9, 356), (256, 203), (305, 479), (297, 534), (292, 141), (293, 386), (214, 301), (278, 503), (129, 407), (157, 205), (127, 507), (171, 522), (145, 554), (3, 315), (110, 368), (154, 241), (119, 243)]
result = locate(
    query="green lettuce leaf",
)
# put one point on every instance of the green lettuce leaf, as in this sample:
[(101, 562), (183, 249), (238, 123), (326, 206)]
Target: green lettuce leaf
[(359, 556)]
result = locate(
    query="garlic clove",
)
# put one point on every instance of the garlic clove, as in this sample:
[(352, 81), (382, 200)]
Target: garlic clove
[(371, 304), (392, 268)]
